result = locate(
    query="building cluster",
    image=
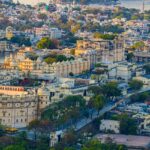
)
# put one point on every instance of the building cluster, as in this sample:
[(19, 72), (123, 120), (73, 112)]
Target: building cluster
[(33, 78), (21, 62)]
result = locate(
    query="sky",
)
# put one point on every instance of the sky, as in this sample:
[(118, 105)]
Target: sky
[(31, 2)]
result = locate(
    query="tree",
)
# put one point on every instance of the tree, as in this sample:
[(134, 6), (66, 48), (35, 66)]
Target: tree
[(69, 148), (96, 90), (75, 28), (104, 36), (21, 40), (50, 60), (61, 58), (138, 45), (127, 125), (70, 137), (34, 126), (147, 68), (47, 43), (71, 74), (130, 56), (111, 90), (1, 132), (14, 147), (92, 145), (65, 112), (99, 102), (136, 84), (99, 74), (42, 16), (141, 97)]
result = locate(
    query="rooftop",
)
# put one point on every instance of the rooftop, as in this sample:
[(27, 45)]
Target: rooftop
[(128, 140)]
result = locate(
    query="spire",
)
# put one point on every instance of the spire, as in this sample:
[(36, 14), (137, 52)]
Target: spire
[(143, 6)]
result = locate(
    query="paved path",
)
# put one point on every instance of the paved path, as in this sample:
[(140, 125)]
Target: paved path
[(83, 122)]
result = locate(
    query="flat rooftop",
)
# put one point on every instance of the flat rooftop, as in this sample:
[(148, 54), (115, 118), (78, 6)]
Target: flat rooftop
[(128, 140)]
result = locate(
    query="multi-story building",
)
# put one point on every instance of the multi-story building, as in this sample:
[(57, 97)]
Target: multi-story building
[(62, 69), (16, 111), (5, 46), (18, 107), (141, 56), (107, 50)]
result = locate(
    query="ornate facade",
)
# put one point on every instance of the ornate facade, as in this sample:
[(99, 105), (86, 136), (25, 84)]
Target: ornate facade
[(16, 111), (62, 69), (18, 107), (107, 50)]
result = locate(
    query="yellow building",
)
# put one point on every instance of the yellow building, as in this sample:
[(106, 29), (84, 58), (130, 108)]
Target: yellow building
[(9, 32), (62, 69)]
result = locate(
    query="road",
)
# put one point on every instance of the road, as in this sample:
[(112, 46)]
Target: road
[(83, 122), (107, 108)]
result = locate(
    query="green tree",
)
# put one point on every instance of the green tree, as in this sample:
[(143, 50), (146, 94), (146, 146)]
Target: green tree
[(47, 43), (127, 125), (136, 84), (138, 45), (147, 68), (21, 40), (130, 56), (14, 147), (61, 58), (76, 28), (141, 97), (92, 145), (34, 126), (96, 90), (104, 36), (69, 148), (99, 102), (111, 90)]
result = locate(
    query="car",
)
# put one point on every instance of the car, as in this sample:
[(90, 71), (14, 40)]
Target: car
[(11, 130)]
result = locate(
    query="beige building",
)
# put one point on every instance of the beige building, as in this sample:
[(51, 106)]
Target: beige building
[(107, 50), (62, 69), (18, 111), (18, 107)]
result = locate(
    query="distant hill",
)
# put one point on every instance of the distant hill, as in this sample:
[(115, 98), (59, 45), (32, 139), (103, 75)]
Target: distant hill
[(91, 1)]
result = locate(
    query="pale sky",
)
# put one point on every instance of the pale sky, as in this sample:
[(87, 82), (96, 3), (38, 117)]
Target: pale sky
[(31, 2)]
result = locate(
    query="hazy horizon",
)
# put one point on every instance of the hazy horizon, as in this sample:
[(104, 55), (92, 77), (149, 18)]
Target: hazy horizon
[(138, 4)]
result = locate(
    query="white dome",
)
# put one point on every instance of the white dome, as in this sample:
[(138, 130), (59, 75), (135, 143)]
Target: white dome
[(40, 59)]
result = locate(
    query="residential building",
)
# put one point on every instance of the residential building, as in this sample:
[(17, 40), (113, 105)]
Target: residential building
[(110, 126)]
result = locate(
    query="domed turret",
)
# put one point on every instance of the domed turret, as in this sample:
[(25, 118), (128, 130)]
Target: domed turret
[(43, 90), (40, 59)]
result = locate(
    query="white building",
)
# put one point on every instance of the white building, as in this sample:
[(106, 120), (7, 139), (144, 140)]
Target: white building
[(110, 125), (55, 33)]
